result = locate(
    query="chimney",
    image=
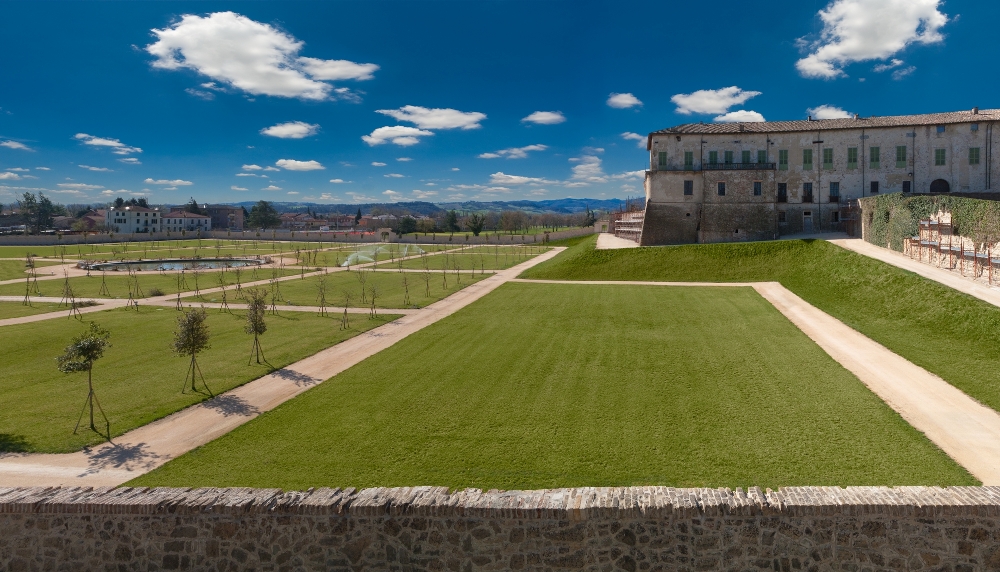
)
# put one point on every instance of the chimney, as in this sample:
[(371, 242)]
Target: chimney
[(975, 110), (855, 116), (810, 118)]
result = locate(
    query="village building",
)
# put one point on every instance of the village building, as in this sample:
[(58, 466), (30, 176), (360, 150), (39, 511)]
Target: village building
[(133, 219), (724, 182), (184, 221), (225, 217)]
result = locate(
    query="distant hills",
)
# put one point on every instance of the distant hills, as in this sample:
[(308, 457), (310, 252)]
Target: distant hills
[(559, 206)]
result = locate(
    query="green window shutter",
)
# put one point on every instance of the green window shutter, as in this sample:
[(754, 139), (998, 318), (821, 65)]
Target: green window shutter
[(852, 157), (874, 156), (827, 158), (807, 159), (663, 159), (745, 157), (713, 157), (783, 160), (762, 156), (688, 159), (900, 156), (729, 157), (973, 155), (939, 157)]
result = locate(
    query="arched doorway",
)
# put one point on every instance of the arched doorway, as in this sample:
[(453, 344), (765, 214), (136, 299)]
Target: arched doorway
[(940, 186)]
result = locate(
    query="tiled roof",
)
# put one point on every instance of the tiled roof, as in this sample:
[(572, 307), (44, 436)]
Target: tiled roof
[(828, 124), (183, 214), (134, 209)]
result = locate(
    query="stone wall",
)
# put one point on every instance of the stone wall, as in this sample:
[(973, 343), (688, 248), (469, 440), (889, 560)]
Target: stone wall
[(426, 528)]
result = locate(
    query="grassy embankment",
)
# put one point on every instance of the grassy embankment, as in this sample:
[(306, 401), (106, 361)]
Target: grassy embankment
[(538, 386), (118, 283)]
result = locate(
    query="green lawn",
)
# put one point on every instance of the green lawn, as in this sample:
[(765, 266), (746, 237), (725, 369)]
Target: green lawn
[(17, 309), (539, 386), (940, 329), (118, 283), (391, 291), (14, 269), (478, 258), (139, 379)]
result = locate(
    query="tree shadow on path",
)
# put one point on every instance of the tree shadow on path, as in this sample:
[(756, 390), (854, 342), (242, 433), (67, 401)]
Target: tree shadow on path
[(128, 457), (229, 405)]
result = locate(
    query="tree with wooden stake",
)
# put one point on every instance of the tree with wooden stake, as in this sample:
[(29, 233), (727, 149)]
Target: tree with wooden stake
[(221, 279), (362, 278), (196, 273), (255, 325), (66, 289), (373, 291), (74, 308), (321, 296), (104, 285), (27, 291), (238, 271), (80, 355), (406, 290), (191, 338), (345, 323)]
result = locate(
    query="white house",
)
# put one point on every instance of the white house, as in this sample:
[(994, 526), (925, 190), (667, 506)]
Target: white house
[(177, 221), (133, 219)]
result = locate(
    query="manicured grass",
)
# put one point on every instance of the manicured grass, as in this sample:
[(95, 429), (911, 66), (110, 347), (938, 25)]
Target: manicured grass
[(539, 386), (139, 379), (477, 259), (17, 309), (940, 329), (391, 292), (14, 269), (118, 283)]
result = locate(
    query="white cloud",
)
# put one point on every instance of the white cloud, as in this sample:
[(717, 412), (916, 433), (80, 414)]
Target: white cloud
[(711, 100), (740, 116), (639, 139), (421, 195), (116, 146), (514, 152), (130, 161), (271, 188), (393, 195), (292, 192), (456, 197), (455, 169), (393, 176), (404, 159), (173, 183), (250, 175), (270, 168), (545, 118), (326, 196), (46, 168), (235, 188), (377, 164), (431, 184), (623, 100), (425, 118), (900, 74), (19, 169), (893, 63), (205, 95), (253, 57), (398, 134), (339, 181), (828, 112), (89, 168), (630, 175), (252, 167), (291, 130), (587, 171), (500, 178), (863, 30), (8, 176), (79, 186), (539, 192), (15, 145), (293, 165)]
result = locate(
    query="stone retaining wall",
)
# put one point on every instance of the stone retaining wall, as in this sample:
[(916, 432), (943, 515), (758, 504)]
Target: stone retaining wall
[(426, 528)]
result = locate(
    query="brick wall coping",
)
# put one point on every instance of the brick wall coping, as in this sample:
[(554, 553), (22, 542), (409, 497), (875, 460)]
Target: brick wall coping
[(557, 504)]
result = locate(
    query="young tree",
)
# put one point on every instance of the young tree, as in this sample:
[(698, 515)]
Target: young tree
[(475, 222), (255, 326), (80, 355), (191, 338)]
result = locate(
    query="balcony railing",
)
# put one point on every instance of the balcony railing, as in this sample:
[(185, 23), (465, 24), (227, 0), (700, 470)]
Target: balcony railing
[(807, 198), (782, 197), (739, 166)]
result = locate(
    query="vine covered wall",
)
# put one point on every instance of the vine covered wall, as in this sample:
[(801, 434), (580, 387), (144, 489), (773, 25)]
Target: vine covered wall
[(888, 220)]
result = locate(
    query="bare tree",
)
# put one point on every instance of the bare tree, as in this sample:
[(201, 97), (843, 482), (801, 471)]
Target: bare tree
[(256, 307), (190, 338), (406, 290), (373, 290), (321, 295), (80, 355), (345, 323), (362, 278)]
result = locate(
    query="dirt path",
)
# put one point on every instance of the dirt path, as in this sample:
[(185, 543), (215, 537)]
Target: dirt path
[(149, 446), (900, 260), (606, 241), (966, 430)]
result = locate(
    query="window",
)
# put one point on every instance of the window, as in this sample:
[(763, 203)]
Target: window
[(973, 155), (783, 160), (852, 157), (722, 189), (834, 192), (728, 157), (939, 157), (835, 216), (758, 188), (906, 186), (762, 156), (688, 187), (782, 217), (807, 159), (663, 159), (874, 187), (974, 127), (940, 128), (874, 157), (745, 157), (782, 192), (689, 160), (827, 158), (900, 156), (713, 157), (807, 192)]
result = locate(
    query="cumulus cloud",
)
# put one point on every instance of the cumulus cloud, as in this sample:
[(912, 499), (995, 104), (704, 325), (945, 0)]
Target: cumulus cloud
[(741, 116), (587, 171), (251, 175), (639, 139), (79, 186), (863, 30), (545, 118), (455, 169), (172, 183), (291, 130), (623, 100), (900, 74), (393, 176), (19, 169), (404, 159), (271, 188), (711, 100), (292, 192), (252, 167), (339, 181), (514, 152), (893, 63), (421, 195), (89, 168), (393, 195), (235, 188), (46, 168), (398, 134), (8, 176), (377, 164), (116, 146), (130, 161), (500, 178), (425, 118), (15, 145), (250, 56), (293, 165), (828, 112)]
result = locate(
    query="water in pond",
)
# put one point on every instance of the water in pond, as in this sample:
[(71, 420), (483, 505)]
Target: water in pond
[(176, 264)]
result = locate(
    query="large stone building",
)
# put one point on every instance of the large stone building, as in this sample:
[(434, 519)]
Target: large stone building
[(723, 182), (225, 217)]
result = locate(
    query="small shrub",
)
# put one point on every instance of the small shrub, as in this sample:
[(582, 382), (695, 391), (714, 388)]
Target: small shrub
[(155, 292)]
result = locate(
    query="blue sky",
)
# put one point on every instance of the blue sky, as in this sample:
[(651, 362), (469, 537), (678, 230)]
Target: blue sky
[(439, 100)]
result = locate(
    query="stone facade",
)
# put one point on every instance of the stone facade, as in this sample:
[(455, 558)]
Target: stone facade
[(426, 528), (819, 164)]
